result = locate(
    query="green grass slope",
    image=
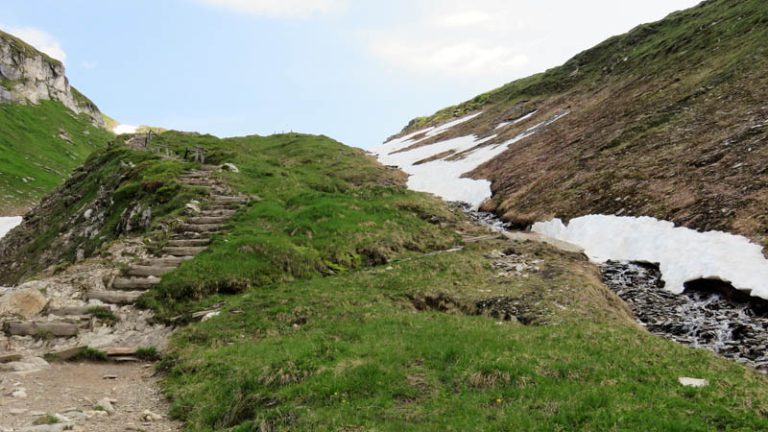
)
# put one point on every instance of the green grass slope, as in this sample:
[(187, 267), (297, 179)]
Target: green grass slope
[(40, 145), (345, 306)]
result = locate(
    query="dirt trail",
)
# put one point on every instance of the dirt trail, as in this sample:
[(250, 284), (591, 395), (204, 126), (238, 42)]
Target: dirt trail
[(75, 390)]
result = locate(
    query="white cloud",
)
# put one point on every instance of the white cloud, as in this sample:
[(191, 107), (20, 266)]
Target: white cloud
[(39, 39), (497, 40), (280, 8), (89, 65)]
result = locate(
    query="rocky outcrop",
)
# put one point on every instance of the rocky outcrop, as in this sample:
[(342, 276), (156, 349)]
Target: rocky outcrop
[(29, 76)]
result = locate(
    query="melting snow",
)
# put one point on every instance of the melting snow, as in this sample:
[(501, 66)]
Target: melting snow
[(125, 129), (516, 121), (683, 254), (7, 224), (444, 177)]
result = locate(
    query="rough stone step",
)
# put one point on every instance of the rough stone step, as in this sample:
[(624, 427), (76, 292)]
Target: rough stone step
[(191, 236), (228, 199), (196, 242), (116, 297), (145, 271), (166, 261), (196, 175), (199, 228), (207, 220), (41, 329), (70, 311), (10, 357), (134, 284), (198, 182), (218, 213), (184, 251), (218, 206)]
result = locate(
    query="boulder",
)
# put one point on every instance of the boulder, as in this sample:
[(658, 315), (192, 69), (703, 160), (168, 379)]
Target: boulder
[(25, 303)]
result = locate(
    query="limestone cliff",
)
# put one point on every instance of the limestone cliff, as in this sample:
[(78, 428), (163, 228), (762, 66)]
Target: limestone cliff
[(29, 76)]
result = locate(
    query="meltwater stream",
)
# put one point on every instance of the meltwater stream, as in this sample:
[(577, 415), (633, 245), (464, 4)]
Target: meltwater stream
[(734, 327)]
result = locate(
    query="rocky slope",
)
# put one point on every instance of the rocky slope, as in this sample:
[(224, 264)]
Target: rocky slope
[(29, 76), (668, 120)]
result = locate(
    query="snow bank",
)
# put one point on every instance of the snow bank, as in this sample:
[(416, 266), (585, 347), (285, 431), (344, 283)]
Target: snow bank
[(125, 129), (516, 121), (7, 224), (683, 254), (458, 156)]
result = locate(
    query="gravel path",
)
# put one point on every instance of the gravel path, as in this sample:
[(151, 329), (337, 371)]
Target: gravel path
[(74, 391)]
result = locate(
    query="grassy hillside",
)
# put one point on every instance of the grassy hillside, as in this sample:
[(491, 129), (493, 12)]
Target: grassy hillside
[(667, 120), (40, 145), (346, 306)]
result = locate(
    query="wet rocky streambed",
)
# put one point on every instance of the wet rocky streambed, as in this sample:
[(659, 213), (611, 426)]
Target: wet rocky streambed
[(710, 314)]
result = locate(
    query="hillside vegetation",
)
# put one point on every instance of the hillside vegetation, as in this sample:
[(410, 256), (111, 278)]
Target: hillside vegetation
[(40, 146), (667, 120), (346, 305)]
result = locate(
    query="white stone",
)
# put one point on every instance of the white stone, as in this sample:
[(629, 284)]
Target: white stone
[(693, 382)]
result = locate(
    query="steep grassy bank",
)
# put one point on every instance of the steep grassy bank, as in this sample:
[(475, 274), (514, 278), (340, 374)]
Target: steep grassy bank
[(40, 146)]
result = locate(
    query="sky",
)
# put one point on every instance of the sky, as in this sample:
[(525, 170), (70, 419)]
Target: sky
[(355, 70)]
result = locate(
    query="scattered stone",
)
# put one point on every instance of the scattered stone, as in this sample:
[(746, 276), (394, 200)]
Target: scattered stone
[(28, 365), (19, 394), (7, 358), (109, 377), (149, 416), (105, 405), (230, 167), (18, 411), (693, 382)]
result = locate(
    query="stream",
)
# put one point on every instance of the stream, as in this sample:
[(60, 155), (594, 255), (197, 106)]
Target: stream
[(708, 315)]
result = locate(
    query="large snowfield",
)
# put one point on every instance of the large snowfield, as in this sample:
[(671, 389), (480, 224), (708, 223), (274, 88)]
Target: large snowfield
[(457, 157), (683, 254), (7, 224)]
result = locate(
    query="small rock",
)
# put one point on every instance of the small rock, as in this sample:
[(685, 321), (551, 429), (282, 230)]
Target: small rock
[(230, 167), (18, 411), (149, 416), (105, 405), (693, 382), (210, 315), (19, 394), (109, 377)]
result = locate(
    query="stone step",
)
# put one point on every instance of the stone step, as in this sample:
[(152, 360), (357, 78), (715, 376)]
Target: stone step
[(199, 228), (197, 242), (70, 311), (145, 271), (219, 206), (207, 220), (166, 261), (218, 213), (134, 284), (116, 297), (209, 168), (184, 251), (197, 182), (195, 175), (228, 199), (41, 329)]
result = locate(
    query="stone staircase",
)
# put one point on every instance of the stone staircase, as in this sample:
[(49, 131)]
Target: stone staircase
[(191, 237), (65, 330)]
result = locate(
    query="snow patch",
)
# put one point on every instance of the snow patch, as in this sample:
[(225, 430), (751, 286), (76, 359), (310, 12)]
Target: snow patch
[(124, 129), (683, 254), (516, 121), (454, 158), (8, 223)]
